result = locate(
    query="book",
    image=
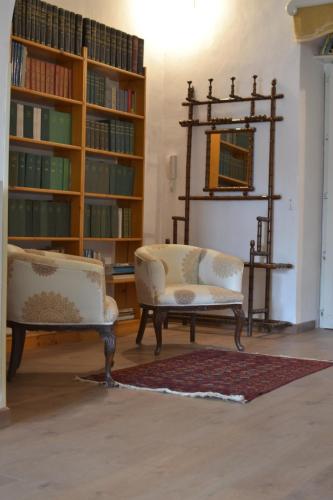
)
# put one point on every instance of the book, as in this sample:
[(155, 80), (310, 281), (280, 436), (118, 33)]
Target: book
[(28, 117), (13, 168)]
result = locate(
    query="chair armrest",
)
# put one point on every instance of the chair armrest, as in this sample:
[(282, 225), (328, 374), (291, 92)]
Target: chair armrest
[(149, 277), (43, 288), (220, 269)]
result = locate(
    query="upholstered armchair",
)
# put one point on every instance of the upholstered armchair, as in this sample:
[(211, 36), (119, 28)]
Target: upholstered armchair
[(186, 278), (52, 291)]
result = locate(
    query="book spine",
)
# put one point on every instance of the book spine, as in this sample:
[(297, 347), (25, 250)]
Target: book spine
[(33, 6), (28, 21), (55, 27), (72, 32), (28, 114), (16, 25), (108, 45), (21, 169), (43, 23), (13, 118), (61, 29), (20, 120), (29, 170), (98, 42), (113, 46), (23, 18), (43, 76), (87, 35), (123, 50), (140, 56), (78, 34), (46, 172), (93, 39), (38, 21), (129, 53), (37, 113), (135, 48), (102, 53), (36, 218), (67, 31), (13, 168), (38, 171), (49, 23)]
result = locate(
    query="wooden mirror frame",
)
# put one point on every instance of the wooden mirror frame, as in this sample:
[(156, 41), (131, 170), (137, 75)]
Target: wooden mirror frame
[(213, 157)]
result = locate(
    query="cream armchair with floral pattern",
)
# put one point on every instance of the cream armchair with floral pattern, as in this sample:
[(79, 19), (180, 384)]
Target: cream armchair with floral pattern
[(186, 278), (51, 290)]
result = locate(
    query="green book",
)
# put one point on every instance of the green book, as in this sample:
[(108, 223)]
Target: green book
[(66, 174), (21, 169), (94, 177), (38, 171), (30, 170), (112, 178), (53, 173), (36, 231), (28, 121), (87, 220), (60, 127), (51, 218), (28, 218), (103, 211), (13, 168), (88, 180), (60, 222), (59, 172), (114, 221), (12, 217), (45, 124), (44, 217), (46, 172), (95, 221), (108, 222), (20, 228), (13, 118)]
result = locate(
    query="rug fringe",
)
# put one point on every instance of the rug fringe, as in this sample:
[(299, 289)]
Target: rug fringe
[(165, 390)]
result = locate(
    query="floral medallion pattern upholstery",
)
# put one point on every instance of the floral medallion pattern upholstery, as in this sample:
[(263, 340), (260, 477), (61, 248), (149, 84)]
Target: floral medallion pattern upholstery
[(184, 275), (55, 288)]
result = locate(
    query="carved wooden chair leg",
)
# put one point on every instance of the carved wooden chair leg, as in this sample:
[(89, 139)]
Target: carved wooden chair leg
[(166, 321), (142, 327), (107, 334), (239, 317), (158, 319), (192, 327), (18, 340)]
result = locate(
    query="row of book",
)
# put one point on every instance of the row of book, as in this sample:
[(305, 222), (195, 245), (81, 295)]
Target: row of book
[(39, 123), (104, 91), (49, 25), (62, 29), (110, 135), (39, 75), (233, 167), (327, 47), (109, 177), (107, 221), (38, 218), (39, 171)]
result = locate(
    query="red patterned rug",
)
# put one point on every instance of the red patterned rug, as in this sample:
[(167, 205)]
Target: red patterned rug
[(213, 373)]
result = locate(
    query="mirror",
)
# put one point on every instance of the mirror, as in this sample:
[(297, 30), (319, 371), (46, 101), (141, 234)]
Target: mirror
[(230, 160)]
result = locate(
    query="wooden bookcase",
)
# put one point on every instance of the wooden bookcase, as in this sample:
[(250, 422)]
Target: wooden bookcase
[(121, 248)]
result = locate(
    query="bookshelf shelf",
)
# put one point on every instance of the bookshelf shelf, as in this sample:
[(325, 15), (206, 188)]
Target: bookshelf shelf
[(115, 112), (115, 73), (26, 141), (35, 96), (120, 281), (113, 197), (121, 249), (61, 192), (46, 51), (42, 238), (118, 240), (112, 154)]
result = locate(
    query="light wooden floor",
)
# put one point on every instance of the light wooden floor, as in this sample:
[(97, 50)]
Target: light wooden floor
[(71, 440)]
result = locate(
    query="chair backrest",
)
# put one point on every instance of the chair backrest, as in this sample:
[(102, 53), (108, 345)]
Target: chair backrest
[(181, 262)]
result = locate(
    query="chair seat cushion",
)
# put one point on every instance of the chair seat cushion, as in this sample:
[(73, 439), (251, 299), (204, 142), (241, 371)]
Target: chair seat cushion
[(198, 295), (110, 310)]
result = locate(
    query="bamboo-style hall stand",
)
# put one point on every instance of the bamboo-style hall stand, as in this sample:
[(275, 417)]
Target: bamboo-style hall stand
[(259, 248)]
